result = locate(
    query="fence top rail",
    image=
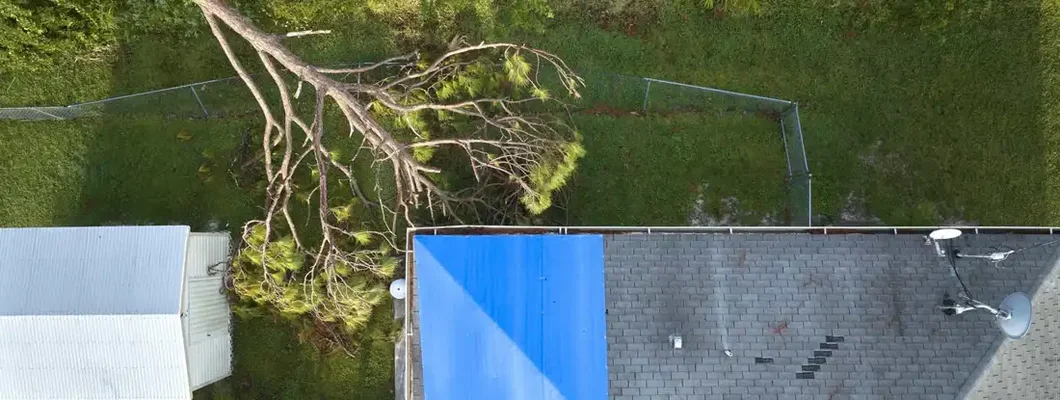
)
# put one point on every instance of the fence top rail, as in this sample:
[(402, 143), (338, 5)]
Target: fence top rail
[(188, 85), (722, 91), (168, 89), (30, 108)]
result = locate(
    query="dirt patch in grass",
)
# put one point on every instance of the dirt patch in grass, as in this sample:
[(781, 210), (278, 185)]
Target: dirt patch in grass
[(708, 210)]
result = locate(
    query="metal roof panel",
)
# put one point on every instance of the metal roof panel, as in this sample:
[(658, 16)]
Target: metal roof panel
[(92, 357), (91, 270)]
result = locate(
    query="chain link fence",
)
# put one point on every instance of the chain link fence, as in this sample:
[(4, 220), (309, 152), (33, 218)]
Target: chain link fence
[(228, 97), (213, 98), (800, 180), (651, 95)]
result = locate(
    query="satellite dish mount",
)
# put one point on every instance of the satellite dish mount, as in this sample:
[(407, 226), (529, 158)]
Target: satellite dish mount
[(941, 235), (1013, 316)]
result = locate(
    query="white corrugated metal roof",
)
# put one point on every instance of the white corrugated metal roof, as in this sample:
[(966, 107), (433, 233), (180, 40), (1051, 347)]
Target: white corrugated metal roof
[(92, 313), (91, 270), (92, 357), (208, 319), (205, 251)]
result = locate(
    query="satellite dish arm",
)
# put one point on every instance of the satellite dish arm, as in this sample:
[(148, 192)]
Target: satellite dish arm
[(975, 304), (972, 304)]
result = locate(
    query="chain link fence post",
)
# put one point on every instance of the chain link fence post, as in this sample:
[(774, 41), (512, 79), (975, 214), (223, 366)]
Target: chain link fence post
[(669, 96), (205, 114), (647, 91)]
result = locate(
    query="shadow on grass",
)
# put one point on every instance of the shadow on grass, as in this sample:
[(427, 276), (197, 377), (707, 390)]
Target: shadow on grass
[(272, 362), (144, 169), (148, 169), (926, 122), (157, 160), (651, 170)]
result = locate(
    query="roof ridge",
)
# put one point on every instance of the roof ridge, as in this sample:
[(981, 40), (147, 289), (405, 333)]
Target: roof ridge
[(989, 360)]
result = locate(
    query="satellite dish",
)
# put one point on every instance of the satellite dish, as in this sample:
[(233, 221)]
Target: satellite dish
[(1017, 307), (944, 234), (397, 289)]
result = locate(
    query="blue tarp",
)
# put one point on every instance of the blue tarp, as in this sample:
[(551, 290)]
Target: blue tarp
[(512, 316)]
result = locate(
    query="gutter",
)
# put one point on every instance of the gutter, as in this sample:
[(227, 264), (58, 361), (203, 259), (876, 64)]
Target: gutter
[(818, 230)]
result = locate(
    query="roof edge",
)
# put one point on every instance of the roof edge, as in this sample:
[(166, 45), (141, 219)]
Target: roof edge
[(821, 230), (988, 360)]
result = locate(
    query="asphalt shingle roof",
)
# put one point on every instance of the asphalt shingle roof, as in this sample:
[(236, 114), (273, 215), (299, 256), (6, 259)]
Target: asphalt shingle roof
[(1028, 368), (813, 316)]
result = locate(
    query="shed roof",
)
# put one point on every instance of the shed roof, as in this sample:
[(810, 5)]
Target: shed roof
[(92, 313), (127, 357), (92, 271)]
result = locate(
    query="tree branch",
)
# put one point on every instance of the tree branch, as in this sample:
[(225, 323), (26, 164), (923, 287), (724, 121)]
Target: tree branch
[(402, 114)]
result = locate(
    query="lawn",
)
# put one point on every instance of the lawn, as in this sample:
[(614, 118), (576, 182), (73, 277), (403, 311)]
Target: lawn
[(922, 124), (648, 170), (917, 119), (157, 170), (271, 362), (121, 171)]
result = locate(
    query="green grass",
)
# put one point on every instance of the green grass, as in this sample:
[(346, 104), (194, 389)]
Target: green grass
[(150, 164), (648, 170), (922, 121), (271, 362), (120, 171), (41, 171), (156, 170), (923, 124)]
